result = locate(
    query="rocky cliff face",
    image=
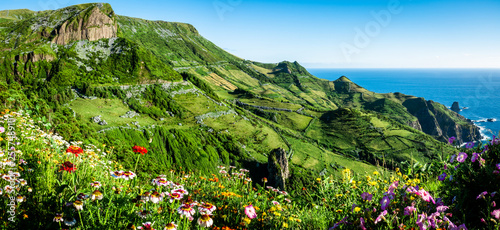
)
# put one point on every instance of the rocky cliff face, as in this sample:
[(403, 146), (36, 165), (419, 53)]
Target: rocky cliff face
[(91, 25), (437, 120), (277, 167)]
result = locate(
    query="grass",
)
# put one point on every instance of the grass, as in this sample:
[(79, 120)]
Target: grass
[(110, 111)]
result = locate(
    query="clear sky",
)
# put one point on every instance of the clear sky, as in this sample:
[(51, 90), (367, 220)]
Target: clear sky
[(332, 33)]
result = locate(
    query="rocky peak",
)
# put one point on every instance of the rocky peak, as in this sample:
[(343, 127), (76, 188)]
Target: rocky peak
[(455, 107), (91, 24), (277, 167)]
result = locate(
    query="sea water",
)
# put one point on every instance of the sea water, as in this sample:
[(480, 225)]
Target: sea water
[(476, 89)]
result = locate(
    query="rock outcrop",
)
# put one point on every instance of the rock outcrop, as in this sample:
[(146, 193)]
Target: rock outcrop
[(455, 107), (90, 25), (436, 120), (277, 166)]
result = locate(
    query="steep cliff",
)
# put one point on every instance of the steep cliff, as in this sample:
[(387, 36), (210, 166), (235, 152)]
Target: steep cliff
[(91, 24), (440, 122)]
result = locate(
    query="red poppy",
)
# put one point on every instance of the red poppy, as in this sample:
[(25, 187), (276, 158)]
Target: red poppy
[(75, 150), (140, 149), (67, 166)]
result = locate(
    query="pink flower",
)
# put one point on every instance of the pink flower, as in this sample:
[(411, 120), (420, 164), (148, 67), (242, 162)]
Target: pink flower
[(426, 196), (381, 216), (362, 223), (481, 195), (442, 208), (392, 187), (496, 214), (250, 212), (422, 221), (409, 210)]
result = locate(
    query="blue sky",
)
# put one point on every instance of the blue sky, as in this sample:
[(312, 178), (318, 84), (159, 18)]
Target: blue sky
[(334, 33)]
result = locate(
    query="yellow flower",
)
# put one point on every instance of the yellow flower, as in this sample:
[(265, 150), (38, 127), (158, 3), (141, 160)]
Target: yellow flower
[(285, 225), (339, 210), (318, 179), (247, 220), (357, 209), (276, 213), (338, 195), (376, 173), (397, 169)]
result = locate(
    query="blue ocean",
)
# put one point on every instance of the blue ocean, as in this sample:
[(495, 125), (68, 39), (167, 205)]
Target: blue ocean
[(476, 89)]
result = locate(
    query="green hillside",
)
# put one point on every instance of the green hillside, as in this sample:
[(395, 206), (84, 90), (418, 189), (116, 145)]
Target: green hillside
[(66, 71)]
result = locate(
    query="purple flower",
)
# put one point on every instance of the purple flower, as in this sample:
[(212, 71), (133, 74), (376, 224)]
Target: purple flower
[(481, 195), (451, 140), (474, 157), (469, 145), (451, 177), (409, 210), (498, 166), (461, 157), (496, 214), (366, 196), (442, 177), (462, 227), (422, 221), (392, 187), (493, 204), (384, 203), (441, 208), (452, 158), (381, 216), (362, 223)]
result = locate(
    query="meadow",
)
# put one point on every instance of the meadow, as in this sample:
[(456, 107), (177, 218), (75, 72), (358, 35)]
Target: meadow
[(49, 183)]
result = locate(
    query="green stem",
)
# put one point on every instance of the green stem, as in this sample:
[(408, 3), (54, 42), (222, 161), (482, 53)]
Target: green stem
[(81, 220)]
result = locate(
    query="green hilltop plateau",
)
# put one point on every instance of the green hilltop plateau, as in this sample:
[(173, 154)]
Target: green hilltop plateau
[(93, 76)]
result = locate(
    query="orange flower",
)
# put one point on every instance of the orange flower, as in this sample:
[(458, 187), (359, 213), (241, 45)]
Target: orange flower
[(74, 149), (139, 149)]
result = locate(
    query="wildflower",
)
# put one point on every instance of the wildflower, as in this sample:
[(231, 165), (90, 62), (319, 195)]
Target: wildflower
[(2, 129), (67, 166), (82, 196), (283, 193), (498, 166), (244, 170), (381, 216), (275, 202), (171, 226), (221, 167), (143, 214), (451, 140), (20, 198), (265, 178), (288, 200), (96, 184), (384, 203), (469, 145), (481, 195), (128, 175), (366, 196), (452, 158), (205, 221), (250, 212), (496, 214), (223, 172), (461, 157), (70, 222), (78, 204), (74, 149), (117, 174), (422, 221), (207, 208), (426, 196), (146, 226), (160, 181), (58, 217), (155, 197), (174, 196), (362, 223), (409, 210), (139, 149), (441, 208), (356, 209), (181, 191), (392, 187), (145, 196), (186, 210), (442, 176), (97, 195)]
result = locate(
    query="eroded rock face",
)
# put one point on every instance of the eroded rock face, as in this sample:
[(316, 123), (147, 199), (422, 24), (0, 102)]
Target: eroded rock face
[(97, 26), (277, 167)]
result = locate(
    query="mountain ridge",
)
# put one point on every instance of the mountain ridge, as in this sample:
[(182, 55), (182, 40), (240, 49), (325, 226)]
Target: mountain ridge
[(337, 119)]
